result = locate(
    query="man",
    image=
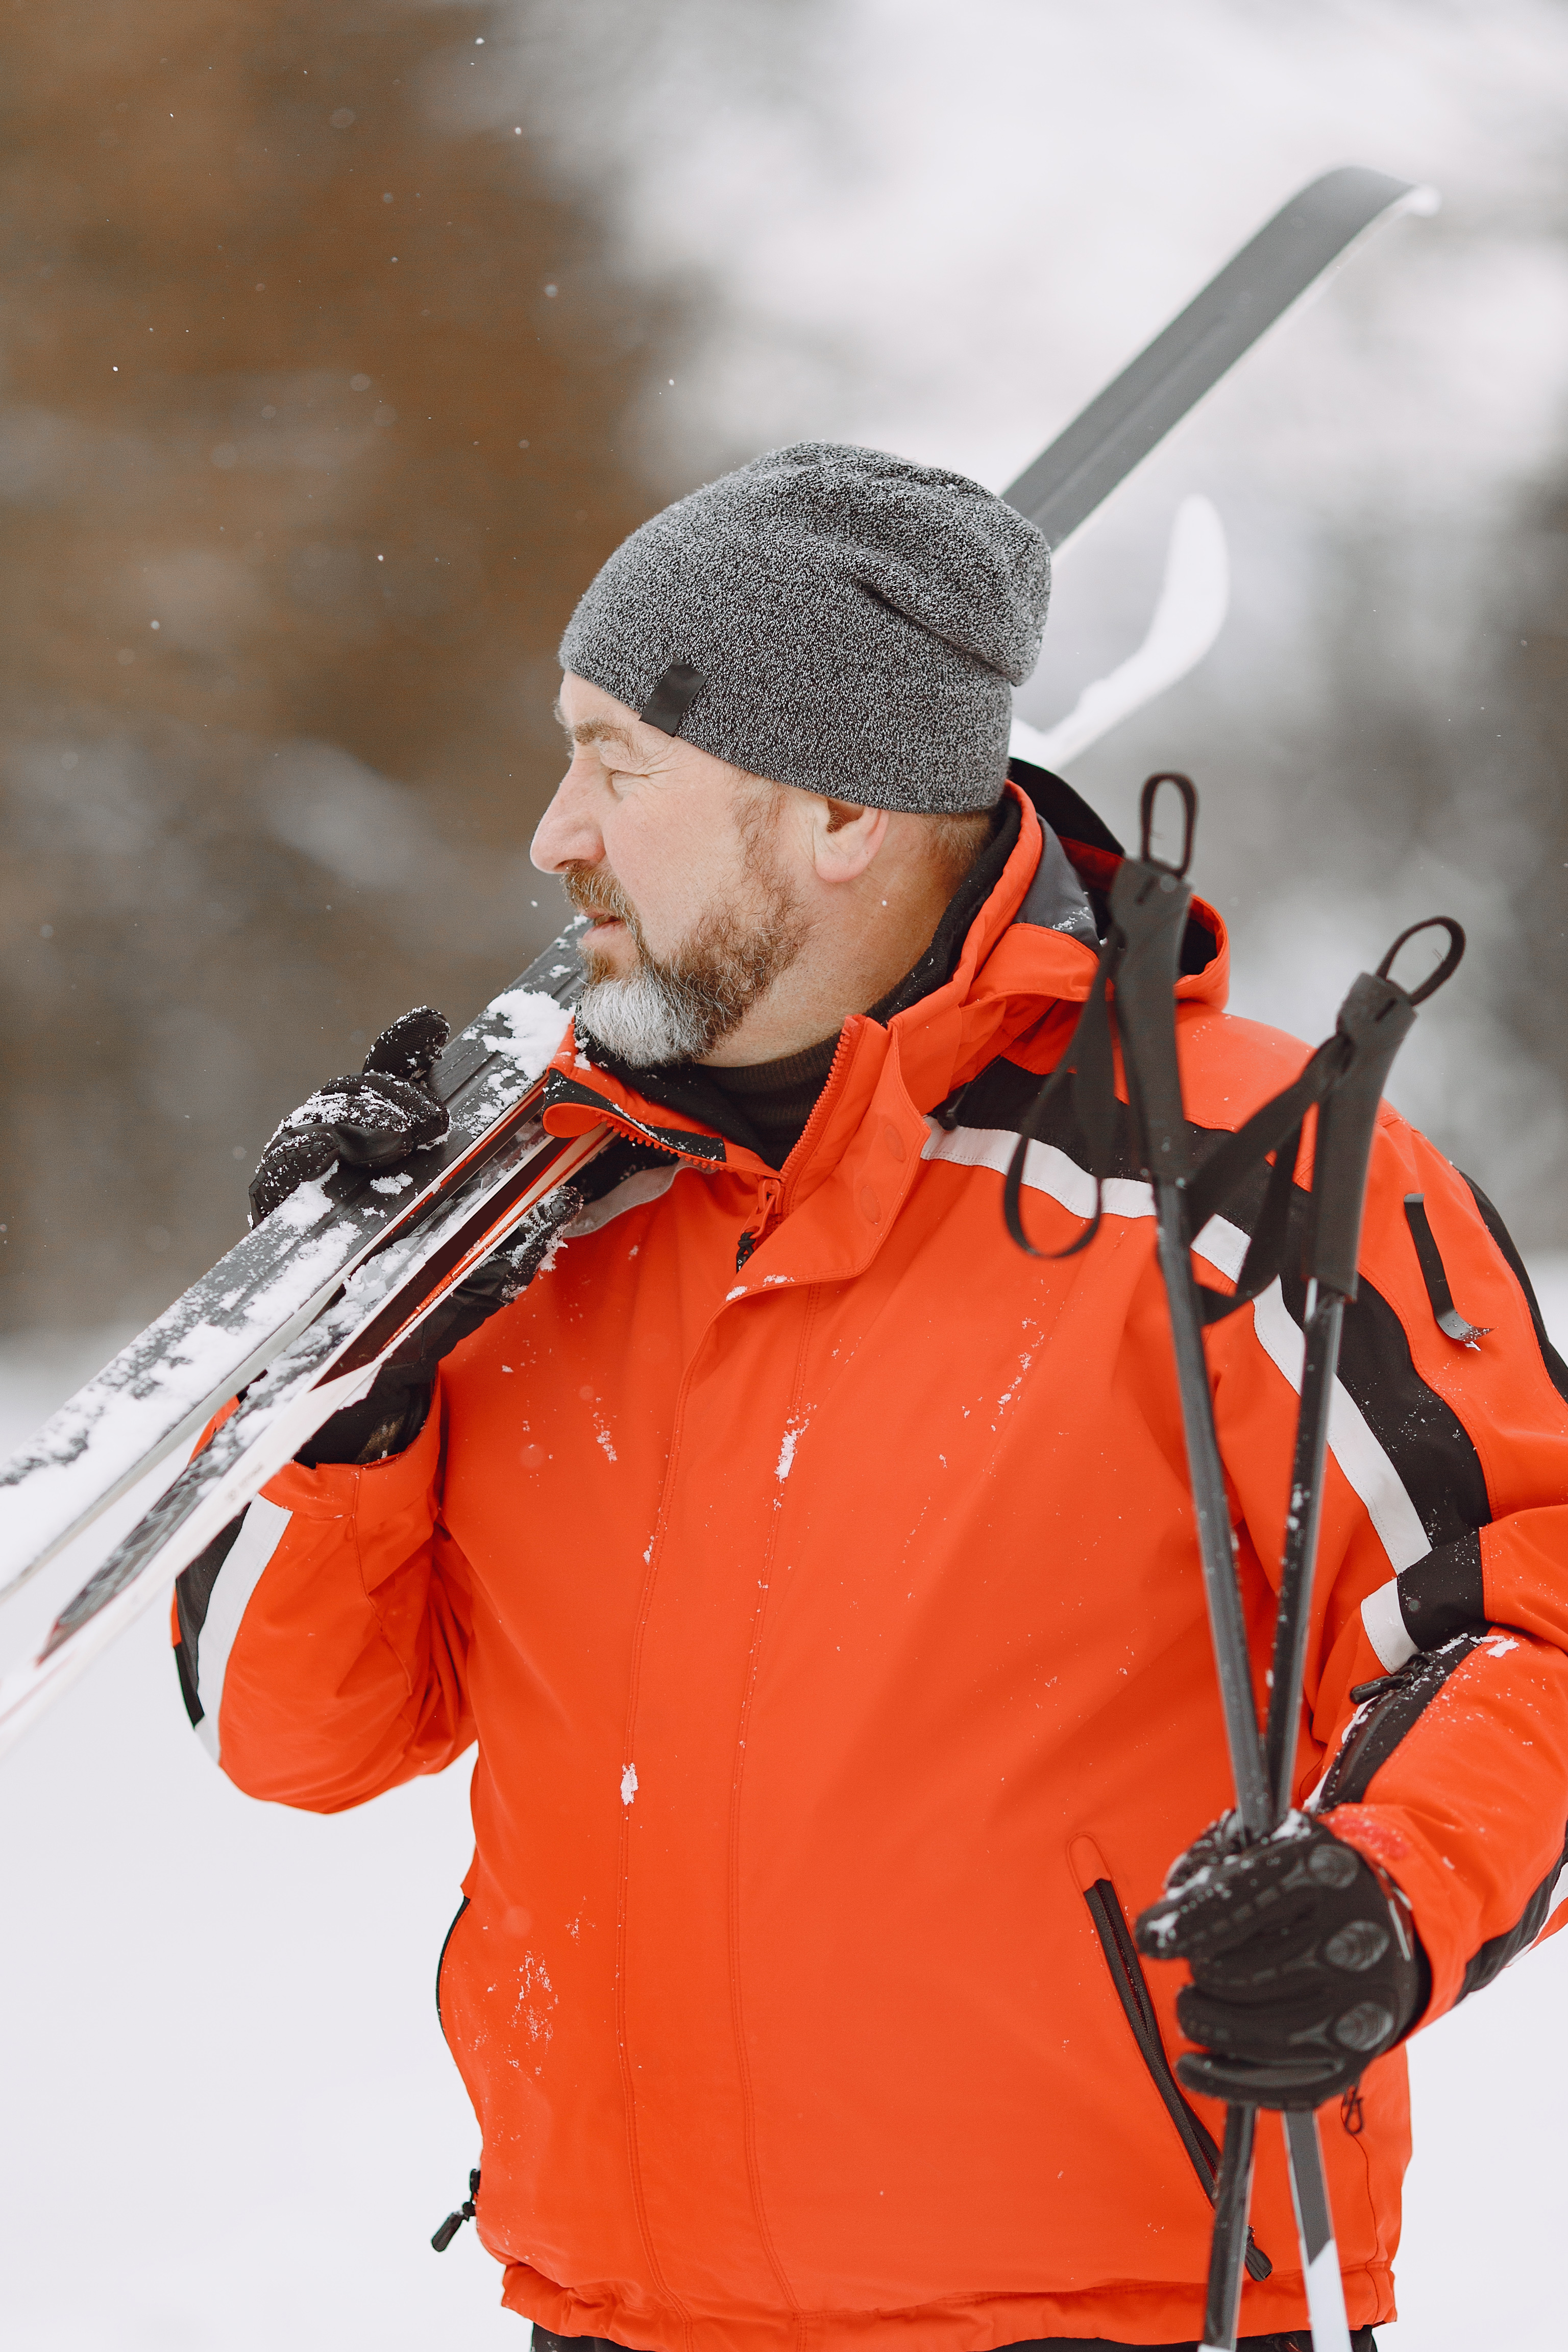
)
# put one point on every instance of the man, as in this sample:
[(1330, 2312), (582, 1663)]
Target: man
[(817, 1575)]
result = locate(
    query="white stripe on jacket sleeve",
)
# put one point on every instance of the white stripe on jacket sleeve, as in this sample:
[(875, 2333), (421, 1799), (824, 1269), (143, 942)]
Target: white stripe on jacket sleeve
[(1366, 1467), (1047, 1169), (1384, 1621)]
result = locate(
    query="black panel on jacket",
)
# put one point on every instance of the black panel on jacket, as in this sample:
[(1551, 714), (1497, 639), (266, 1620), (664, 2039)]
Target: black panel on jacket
[(1556, 1369), (1445, 1593), (1056, 804), (1419, 1430), (1072, 820), (1398, 1702), (1498, 1950)]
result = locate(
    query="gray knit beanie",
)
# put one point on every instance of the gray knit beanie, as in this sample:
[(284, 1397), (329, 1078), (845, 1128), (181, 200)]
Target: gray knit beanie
[(831, 617)]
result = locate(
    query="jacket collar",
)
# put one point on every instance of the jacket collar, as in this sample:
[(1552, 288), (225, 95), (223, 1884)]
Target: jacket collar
[(1025, 966), (690, 1089)]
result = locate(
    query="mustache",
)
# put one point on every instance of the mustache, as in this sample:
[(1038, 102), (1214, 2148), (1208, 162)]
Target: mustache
[(594, 890)]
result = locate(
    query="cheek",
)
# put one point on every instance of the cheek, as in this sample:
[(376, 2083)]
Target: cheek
[(668, 871)]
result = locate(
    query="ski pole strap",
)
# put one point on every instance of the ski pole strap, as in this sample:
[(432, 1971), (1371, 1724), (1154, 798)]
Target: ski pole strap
[(1149, 901), (1089, 1056), (1375, 1017), (1148, 914), (1275, 1127), (1344, 1081)]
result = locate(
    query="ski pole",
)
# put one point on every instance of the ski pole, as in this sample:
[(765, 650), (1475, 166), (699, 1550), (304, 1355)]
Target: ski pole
[(1376, 1019), (1149, 907), (1373, 1024), (1149, 903)]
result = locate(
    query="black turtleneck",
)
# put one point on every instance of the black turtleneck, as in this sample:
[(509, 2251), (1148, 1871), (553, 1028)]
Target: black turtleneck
[(775, 1098), (764, 1105)]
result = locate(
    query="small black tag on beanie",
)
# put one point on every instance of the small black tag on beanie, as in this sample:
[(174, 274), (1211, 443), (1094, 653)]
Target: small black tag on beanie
[(672, 697)]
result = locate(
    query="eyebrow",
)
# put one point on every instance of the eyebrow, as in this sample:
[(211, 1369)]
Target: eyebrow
[(595, 730)]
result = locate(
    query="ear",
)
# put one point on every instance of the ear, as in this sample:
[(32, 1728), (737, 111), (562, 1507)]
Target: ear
[(844, 838)]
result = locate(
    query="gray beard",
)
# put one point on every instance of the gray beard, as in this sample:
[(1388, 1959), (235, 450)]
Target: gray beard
[(678, 1008), (646, 1022)]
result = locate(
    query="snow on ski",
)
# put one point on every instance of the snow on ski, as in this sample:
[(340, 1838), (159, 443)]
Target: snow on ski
[(161, 1389), (323, 1367)]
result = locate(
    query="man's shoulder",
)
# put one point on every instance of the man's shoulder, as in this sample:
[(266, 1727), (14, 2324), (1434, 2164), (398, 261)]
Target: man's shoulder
[(1231, 1065)]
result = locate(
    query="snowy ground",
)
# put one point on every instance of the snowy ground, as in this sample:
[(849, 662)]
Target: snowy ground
[(230, 2122)]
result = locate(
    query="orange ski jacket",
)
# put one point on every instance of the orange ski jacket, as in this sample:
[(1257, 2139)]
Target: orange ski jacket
[(817, 1577)]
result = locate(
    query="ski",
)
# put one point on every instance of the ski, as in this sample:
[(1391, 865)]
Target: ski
[(160, 1391), (1167, 380), (1195, 596), (330, 1364), (272, 1291)]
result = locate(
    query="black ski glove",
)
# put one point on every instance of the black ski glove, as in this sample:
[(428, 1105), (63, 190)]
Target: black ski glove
[(391, 1416), (372, 1119), (1305, 1963)]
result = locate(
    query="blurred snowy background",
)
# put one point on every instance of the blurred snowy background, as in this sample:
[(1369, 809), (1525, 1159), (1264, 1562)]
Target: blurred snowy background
[(341, 342)]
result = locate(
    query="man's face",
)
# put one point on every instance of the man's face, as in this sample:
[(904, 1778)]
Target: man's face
[(682, 865)]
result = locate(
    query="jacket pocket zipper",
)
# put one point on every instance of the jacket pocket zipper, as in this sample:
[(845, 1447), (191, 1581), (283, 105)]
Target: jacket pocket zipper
[(1132, 1991), (441, 1962)]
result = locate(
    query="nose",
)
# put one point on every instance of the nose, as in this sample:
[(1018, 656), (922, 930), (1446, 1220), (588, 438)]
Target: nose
[(568, 833)]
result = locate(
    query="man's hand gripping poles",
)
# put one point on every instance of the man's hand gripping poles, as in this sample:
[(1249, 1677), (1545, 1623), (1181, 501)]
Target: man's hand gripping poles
[(1343, 1081)]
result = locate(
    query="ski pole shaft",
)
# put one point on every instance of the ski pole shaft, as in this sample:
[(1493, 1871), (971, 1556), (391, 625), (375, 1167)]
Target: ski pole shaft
[(1376, 1016), (1227, 1628), (1315, 2229), (1228, 2247), (1319, 1368), (1149, 908), (1211, 1506), (1309, 2187)]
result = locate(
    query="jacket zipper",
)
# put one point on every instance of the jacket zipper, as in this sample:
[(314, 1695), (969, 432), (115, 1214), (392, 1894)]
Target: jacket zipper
[(772, 1201), (1132, 1991), (465, 2212), (768, 1195)]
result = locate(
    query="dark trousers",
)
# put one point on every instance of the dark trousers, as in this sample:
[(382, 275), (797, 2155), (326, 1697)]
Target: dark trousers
[(1297, 2340)]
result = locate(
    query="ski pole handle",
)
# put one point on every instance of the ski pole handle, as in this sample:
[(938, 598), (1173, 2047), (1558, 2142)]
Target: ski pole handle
[(1376, 1019), (1149, 902)]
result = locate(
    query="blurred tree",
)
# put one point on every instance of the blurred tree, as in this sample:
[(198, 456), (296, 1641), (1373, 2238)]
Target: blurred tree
[(309, 440)]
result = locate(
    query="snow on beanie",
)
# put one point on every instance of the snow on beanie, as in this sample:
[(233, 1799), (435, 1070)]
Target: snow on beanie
[(831, 617)]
